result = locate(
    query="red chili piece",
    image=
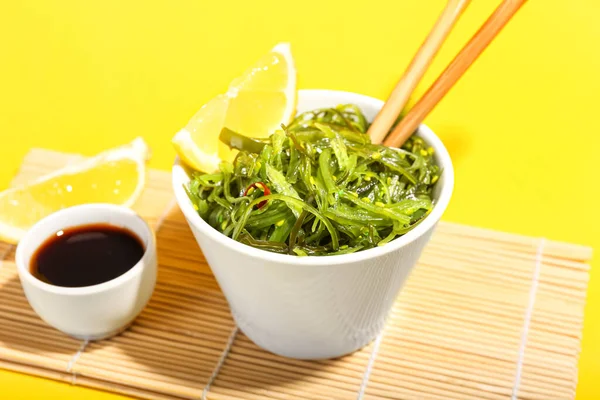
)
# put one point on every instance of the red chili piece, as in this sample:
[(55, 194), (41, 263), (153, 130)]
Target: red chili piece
[(261, 186)]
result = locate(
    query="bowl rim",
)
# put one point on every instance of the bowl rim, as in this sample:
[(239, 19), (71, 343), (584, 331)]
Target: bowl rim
[(96, 211), (179, 178)]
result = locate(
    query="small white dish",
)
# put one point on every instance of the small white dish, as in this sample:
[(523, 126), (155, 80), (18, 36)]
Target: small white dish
[(316, 307), (98, 311)]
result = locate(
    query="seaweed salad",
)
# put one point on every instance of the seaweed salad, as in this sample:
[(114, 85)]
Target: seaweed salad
[(317, 187)]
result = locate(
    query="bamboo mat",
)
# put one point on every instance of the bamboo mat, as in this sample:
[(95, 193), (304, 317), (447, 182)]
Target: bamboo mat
[(485, 315)]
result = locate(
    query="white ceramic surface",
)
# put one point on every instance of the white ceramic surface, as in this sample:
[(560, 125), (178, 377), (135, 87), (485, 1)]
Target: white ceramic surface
[(316, 307), (98, 311)]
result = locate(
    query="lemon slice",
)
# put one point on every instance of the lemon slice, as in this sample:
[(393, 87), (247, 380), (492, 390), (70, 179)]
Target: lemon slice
[(255, 105), (116, 176)]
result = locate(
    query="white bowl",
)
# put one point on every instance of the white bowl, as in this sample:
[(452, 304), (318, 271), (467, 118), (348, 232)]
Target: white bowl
[(91, 312), (316, 307)]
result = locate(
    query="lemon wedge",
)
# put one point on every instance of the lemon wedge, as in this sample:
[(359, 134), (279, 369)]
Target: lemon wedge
[(116, 176), (255, 105)]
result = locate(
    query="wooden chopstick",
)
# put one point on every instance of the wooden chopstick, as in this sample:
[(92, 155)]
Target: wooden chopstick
[(415, 71), (459, 65)]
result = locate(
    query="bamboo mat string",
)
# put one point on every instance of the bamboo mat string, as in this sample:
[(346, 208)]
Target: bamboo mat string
[(528, 313), (165, 214), (74, 359), (220, 363), (369, 368)]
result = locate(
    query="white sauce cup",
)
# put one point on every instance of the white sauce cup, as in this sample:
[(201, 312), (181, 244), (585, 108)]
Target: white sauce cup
[(98, 311)]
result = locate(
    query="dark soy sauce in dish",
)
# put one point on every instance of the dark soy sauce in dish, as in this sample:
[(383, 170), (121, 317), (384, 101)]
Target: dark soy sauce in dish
[(86, 255)]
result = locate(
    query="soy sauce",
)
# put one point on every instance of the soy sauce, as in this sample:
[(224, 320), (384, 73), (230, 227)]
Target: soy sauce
[(86, 255)]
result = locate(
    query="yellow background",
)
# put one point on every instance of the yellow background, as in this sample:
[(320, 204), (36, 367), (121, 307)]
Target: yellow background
[(523, 126)]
